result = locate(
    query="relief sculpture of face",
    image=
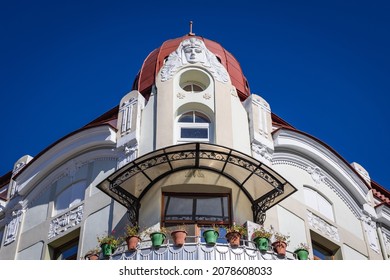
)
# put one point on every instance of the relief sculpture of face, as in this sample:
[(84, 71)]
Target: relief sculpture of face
[(193, 51)]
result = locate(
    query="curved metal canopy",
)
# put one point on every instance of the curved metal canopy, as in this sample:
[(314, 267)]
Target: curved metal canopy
[(263, 186)]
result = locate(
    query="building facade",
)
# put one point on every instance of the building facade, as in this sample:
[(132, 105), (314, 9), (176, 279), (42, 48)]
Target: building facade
[(191, 145)]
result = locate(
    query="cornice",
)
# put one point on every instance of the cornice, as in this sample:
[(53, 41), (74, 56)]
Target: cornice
[(319, 175), (303, 145)]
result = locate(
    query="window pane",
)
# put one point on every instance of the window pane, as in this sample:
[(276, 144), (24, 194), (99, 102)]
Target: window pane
[(178, 208), (187, 88), (187, 118), (201, 118), (199, 133), (196, 209), (196, 88), (211, 209)]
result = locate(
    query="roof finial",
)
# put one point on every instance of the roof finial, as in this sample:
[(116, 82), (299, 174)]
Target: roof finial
[(191, 34)]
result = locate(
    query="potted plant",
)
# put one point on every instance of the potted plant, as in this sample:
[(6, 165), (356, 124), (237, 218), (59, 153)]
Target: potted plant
[(280, 244), (302, 251), (132, 237), (261, 237), (108, 243), (234, 233), (158, 237), (179, 235), (211, 235), (92, 254)]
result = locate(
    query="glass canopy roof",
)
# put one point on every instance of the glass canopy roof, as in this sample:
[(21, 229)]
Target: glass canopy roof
[(263, 186)]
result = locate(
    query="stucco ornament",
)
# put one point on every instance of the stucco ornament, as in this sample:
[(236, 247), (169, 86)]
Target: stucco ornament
[(191, 51), (13, 226)]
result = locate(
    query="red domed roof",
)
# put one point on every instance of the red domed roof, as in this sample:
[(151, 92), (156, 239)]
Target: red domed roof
[(153, 63)]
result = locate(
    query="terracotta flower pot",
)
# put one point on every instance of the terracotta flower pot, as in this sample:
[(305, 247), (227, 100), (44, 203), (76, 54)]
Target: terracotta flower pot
[(233, 238), (132, 242), (91, 257), (280, 247), (179, 237)]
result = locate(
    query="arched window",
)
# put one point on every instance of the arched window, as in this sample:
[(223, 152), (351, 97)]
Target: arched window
[(69, 197), (318, 202), (193, 126)]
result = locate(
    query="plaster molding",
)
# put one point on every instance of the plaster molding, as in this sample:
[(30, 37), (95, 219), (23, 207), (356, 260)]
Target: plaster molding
[(233, 92), (370, 229), (66, 221), (262, 150), (70, 147), (305, 146), (127, 153), (191, 51), (207, 96), (13, 226), (67, 169), (180, 95), (386, 239), (323, 226), (335, 186), (316, 174)]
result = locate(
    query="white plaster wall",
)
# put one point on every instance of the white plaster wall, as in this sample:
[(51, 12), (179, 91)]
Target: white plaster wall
[(344, 218), (100, 171), (96, 224), (37, 213), (148, 130), (351, 254), (292, 225), (240, 125), (33, 252)]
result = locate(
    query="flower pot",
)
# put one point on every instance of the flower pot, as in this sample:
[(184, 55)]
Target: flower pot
[(302, 254), (179, 237), (157, 238), (261, 243), (233, 238), (280, 247), (91, 257), (107, 249), (132, 242), (210, 236)]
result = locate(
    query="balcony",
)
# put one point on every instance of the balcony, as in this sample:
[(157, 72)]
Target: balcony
[(198, 250)]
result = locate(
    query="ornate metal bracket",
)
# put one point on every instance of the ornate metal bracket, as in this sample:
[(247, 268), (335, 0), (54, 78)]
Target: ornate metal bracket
[(262, 204), (131, 202)]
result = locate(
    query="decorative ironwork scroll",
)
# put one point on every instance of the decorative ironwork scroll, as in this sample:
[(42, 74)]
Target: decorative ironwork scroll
[(263, 204)]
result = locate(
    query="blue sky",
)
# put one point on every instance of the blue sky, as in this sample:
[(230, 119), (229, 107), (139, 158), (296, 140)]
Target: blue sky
[(323, 66)]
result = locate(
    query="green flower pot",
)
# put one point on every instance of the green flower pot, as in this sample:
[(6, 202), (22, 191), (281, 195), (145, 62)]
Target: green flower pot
[(210, 236), (157, 238), (302, 254), (107, 249), (261, 243)]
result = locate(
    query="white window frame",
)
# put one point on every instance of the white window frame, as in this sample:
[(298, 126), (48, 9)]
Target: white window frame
[(189, 125)]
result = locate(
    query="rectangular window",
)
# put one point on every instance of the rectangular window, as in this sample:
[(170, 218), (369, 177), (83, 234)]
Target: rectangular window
[(323, 248), (194, 132), (201, 209), (67, 251)]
